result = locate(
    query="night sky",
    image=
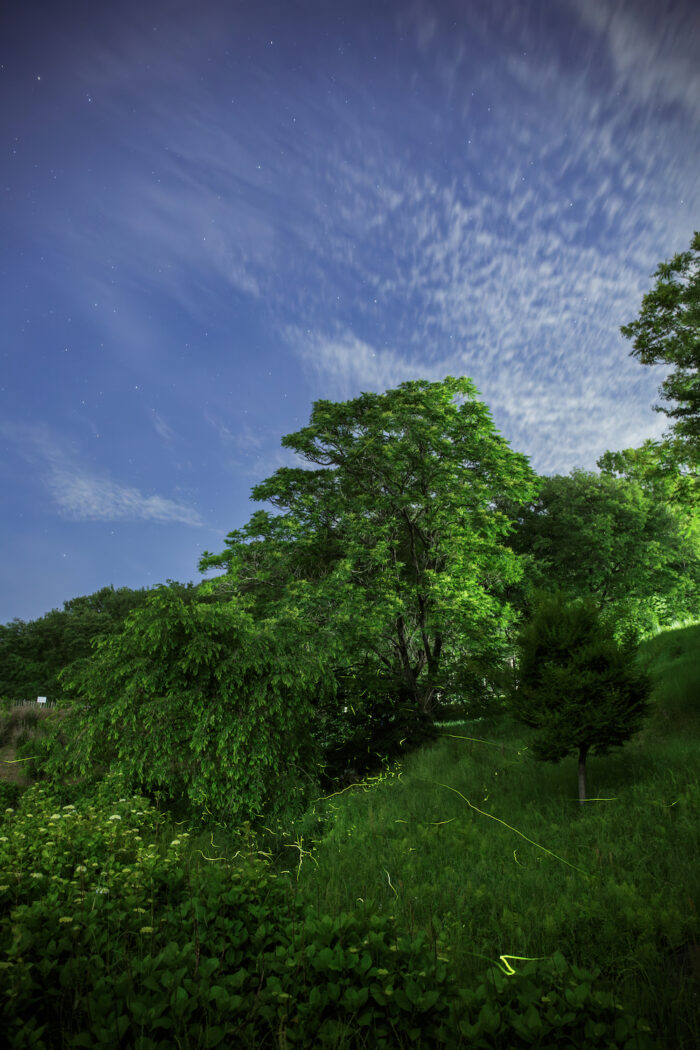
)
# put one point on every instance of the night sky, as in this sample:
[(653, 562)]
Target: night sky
[(214, 214)]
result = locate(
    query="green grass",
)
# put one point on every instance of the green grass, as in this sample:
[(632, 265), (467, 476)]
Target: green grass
[(673, 657), (491, 854), (468, 847)]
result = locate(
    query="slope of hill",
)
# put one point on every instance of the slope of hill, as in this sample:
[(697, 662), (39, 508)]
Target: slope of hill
[(490, 853)]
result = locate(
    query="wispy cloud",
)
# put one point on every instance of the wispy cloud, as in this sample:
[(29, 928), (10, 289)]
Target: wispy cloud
[(81, 495), (84, 497), (161, 428), (253, 452), (561, 423), (345, 362), (517, 263), (500, 222), (244, 438), (654, 56), (216, 197)]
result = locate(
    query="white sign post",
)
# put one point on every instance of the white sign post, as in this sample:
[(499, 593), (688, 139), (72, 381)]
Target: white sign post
[(41, 700)]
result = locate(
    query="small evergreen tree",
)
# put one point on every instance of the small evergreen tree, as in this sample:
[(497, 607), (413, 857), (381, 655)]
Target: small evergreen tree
[(574, 684)]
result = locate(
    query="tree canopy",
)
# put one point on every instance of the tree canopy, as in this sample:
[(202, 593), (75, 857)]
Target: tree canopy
[(393, 547), (33, 652), (610, 539), (663, 471)]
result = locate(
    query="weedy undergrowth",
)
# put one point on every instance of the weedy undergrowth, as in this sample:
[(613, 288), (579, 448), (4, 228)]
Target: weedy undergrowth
[(116, 933)]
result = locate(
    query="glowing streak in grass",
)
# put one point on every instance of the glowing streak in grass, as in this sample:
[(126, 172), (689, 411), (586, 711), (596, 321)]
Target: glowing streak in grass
[(213, 847), (507, 969), (299, 844), (323, 798), (365, 784), (478, 740), (510, 828)]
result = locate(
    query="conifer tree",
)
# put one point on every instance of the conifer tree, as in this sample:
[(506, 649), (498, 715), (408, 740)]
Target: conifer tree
[(579, 689)]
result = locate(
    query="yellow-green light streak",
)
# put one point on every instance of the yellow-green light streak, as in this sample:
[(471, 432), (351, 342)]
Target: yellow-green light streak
[(511, 828)]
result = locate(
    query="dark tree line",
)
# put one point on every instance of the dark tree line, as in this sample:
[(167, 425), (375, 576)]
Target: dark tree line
[(34, 652)]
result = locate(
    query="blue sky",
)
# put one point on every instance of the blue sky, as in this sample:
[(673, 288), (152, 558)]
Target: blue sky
[(215, 214)]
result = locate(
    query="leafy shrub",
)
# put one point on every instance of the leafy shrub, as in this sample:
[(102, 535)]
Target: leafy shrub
[(195, 697), (111, 939), (572, 1014)]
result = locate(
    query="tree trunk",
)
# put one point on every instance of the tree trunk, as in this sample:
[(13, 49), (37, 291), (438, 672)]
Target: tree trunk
[(583, 751)]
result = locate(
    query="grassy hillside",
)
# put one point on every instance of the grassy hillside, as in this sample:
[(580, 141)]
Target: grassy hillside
[(447, 872), (673, 657), (492, 855)]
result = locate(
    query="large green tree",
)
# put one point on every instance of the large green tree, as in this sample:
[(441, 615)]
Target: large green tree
[(609, 539), (579, 689), (667, 331), (392, 548)]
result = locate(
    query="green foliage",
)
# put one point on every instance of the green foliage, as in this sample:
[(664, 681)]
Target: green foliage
[(663, 470), (667, 331), (575, 685), (195, 699), (513, 1011), (613, 540), (113, 934), (392, 550), (112, 939)]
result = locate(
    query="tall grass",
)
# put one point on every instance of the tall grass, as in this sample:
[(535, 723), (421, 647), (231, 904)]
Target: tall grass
[(491, 854)]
